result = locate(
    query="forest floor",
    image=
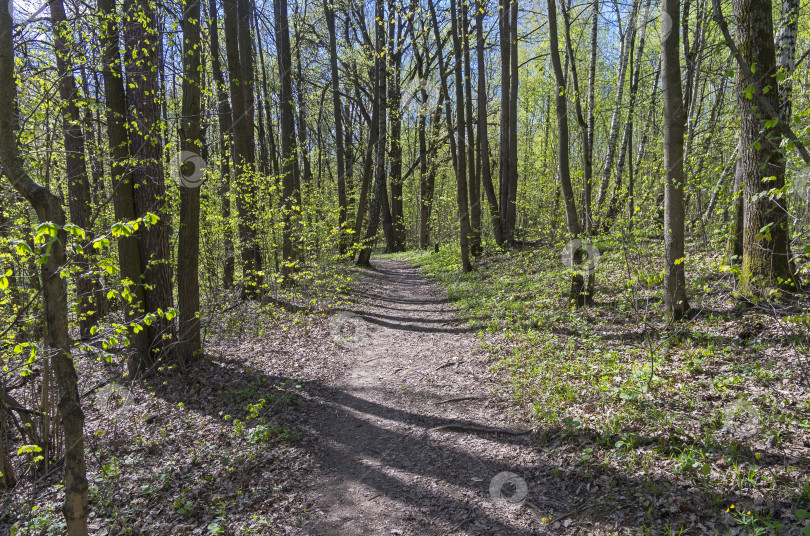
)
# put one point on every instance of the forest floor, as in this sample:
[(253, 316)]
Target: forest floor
[(395, 413)]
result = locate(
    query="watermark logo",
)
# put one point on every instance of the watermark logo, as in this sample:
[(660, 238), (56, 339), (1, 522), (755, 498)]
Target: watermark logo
[(113, 399), (515, 488), (347, 327), (741, 419), (666, 26), (580, 256), (187, 169), (421, 91), (801, 183)]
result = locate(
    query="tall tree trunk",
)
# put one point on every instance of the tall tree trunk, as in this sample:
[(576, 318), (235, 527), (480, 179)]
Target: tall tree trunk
[(483, 137), (583, 125), (511, 207), (188, 240), (49, 210), (625, 153), (588, 148), (765, 261), (675, 298), (504, 153), (465, 229), (456, 149), (368, 169), (394, 104), (380, 195), (338, 113), (613, 135), (288, 148), (129, 253), (225, 119), (579, 295), (303, 145), (80, 201), (240, 68), (786, 55), (474, 170), (141, 62)]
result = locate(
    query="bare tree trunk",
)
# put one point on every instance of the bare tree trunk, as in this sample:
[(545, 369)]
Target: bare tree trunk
[(240, 68), (141, 62), (511, 207), (456, 149), (394, 104), (483, 137), (588, 148), (288, 148), (474, 169), (49, 210), (338, 113), (613, 135), (380, 195), (674, 123), (225, 147), (461, 156), (579, 294), (129, 254), (765, 261), (786, 55), (625, 153), (80, 202), (188, 240), (504, 152)]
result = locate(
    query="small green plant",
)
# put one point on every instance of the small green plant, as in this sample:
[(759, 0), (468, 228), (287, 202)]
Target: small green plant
[(183, 505)]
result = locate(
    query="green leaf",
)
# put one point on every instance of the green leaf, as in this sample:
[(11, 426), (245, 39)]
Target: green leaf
[(29, 449), (3, 282)]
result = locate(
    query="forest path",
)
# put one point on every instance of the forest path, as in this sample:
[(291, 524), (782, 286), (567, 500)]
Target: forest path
[(382, 469)]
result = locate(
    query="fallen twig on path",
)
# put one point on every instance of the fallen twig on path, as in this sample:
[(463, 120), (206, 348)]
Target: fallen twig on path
[(459, 399), (466, 428)]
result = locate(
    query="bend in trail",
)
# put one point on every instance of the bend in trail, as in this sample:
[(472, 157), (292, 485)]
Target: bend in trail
[(411, 366)]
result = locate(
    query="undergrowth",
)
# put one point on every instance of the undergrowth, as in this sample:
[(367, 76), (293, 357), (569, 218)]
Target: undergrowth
[(718, 402)]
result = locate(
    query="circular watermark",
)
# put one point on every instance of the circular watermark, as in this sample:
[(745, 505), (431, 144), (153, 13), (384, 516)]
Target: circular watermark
[(187, 169), (741, 419), (421, 91), (801, 183), (666, 26), (580, 256), (347, 327), (507, 479), (112, 399)]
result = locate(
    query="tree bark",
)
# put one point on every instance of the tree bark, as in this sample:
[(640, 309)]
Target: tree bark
[(49, 210), (675, 299), (129, 254), (380, 195), (288, 148), (188, 240), (141, 62), (579, 295), (613, 135), (225, 120), (337, 108), (474, 168), (79, 199), (765, 261), (240, 68), (483, 137)]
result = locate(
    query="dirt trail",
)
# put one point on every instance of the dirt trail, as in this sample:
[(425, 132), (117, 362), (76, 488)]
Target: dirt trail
[(383, 470)]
